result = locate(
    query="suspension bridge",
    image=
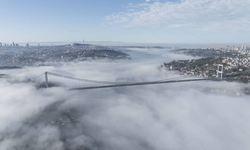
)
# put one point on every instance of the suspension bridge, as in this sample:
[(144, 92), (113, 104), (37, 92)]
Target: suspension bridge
[(52, 79)]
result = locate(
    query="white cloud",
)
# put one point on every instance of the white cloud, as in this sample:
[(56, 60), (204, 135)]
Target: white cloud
[(199, 14)]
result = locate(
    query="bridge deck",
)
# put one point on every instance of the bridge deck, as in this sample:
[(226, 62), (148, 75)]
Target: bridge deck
[(143, 83)]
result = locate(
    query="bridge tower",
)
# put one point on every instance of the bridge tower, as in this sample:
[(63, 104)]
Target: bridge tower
[(220, 71), (46, 80)]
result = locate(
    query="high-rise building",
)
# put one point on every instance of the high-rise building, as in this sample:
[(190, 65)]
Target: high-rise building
[(27, 45), (0, 44), (13, 44)]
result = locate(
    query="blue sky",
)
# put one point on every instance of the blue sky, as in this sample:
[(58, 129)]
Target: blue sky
[(137, 21)]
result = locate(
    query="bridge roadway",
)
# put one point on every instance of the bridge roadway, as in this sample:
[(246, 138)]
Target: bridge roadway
[(144, 83)]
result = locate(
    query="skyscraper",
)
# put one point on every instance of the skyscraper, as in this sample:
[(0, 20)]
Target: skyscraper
[(0, 44)]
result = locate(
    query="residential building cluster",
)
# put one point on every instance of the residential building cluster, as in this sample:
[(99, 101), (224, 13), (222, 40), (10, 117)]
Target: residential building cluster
[(237, 61), (193, 67), (30, 55), (243, 49)]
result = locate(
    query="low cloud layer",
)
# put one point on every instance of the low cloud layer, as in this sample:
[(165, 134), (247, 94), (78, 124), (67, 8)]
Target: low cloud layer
[(206, 15), (171, 116)]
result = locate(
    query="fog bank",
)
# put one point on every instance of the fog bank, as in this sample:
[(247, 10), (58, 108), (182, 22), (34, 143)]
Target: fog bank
[(191, 116)]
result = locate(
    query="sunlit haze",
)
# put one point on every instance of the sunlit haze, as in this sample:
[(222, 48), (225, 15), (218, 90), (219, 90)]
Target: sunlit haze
[(125, 75)]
